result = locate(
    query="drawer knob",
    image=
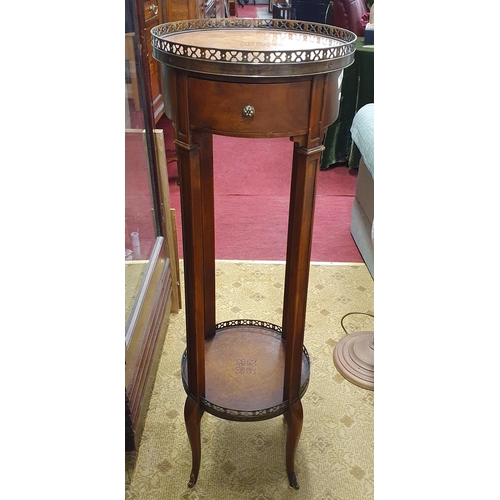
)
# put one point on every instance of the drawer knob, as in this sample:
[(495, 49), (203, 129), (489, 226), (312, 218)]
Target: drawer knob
[(248, 111)]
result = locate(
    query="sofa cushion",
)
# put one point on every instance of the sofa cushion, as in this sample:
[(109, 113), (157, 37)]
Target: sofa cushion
[(365, 190), (362, 132)]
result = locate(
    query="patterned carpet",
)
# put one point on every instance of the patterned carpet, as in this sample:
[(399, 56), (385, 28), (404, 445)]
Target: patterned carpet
[(263, 13), (246, 460)]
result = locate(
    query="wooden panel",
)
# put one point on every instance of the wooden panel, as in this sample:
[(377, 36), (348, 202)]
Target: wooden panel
[(180, 10), (177, 11), (332, 97), (145, 340), (153, 17), (281, 109), (154, 70), (148, 322), (168, 221)]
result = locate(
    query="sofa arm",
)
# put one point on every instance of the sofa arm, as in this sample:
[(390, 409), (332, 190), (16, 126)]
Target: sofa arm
[(362, 132)]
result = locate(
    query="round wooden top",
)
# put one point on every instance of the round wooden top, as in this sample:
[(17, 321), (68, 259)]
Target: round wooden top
[(252, 39), (253, 47)]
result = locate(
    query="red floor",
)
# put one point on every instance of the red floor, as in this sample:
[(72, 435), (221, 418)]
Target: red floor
[(252, 184)]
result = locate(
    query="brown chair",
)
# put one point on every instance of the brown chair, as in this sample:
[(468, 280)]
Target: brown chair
[(347, 14)]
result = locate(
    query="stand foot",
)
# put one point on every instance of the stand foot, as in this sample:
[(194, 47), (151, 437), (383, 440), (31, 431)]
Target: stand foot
[(192, 479), (292, 479), (192, 418)]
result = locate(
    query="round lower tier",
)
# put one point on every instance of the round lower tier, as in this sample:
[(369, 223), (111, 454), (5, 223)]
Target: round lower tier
[(244, 371)]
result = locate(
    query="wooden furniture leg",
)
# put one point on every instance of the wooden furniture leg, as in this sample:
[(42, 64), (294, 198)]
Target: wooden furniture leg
[(192, 416), (294, 417), (300, 227), (197, 198)]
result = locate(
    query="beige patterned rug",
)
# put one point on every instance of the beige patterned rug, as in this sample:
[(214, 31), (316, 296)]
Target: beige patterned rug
[(246, 460)]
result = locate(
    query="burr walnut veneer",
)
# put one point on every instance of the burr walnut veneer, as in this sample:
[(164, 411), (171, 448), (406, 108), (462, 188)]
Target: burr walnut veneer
[(247, 78)]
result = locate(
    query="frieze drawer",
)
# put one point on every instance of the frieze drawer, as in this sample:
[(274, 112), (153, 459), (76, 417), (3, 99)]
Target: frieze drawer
[(251, 110)]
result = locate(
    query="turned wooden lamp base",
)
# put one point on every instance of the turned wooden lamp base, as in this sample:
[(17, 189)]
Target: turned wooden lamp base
[(353, 357)]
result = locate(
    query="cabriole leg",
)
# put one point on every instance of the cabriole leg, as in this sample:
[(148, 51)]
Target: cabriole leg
[(192, 417), (294, 417)]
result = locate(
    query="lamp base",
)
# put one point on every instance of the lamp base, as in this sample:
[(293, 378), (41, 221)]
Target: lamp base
[(353, 357)]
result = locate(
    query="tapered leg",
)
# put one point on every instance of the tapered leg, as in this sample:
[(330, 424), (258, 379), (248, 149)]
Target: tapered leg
[(294, 417), (303, 189), (192, 417)]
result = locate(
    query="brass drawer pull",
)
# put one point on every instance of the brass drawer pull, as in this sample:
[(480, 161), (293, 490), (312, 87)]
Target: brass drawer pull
[(248, 111)]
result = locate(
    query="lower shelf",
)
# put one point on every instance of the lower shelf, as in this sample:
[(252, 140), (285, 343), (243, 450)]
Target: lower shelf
[(244, 371)]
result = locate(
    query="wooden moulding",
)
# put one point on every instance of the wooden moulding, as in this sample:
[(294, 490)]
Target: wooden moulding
[(159, 296), (145, 336), (168, 220)]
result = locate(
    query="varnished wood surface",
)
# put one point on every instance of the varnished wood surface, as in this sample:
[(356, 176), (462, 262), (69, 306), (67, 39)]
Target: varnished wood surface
[(168, 221), (252, 39), (153, 17), (145, 340), (242, 372), (253, 47), (280, 110), (211, 368), (245, 367), (178, 10)]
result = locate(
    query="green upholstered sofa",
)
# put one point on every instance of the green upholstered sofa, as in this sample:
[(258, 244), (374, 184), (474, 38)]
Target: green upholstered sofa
[(362, 131)]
